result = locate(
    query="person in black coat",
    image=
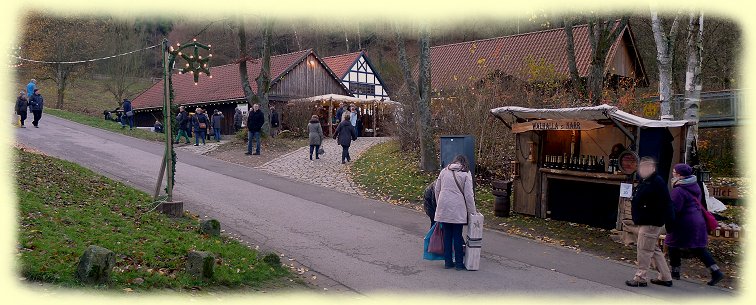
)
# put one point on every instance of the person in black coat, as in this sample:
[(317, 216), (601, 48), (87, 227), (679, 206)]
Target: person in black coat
[(274, 122), (651, 208), (429, 202), (21, 106), (36, 105), (183, 121), (346, 134), (255, 122)]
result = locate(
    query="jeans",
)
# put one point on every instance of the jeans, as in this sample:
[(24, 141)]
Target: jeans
[(648, 251), (200, 133), (453, 242), (23, 117), (182, 133), (253, 135), (316, 148), (37, 115), (701, 253), (345, 153), (217, 132)]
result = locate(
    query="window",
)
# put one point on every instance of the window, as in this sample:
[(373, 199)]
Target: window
[(358, 88)]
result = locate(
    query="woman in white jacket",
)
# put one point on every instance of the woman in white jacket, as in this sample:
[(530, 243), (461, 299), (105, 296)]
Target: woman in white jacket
[(455, 201)]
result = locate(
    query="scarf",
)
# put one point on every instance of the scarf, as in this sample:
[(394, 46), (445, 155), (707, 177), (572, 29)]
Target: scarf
[(684, 180)]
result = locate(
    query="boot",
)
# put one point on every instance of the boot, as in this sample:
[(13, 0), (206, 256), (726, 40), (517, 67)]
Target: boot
[(676, 273), (716, 276)]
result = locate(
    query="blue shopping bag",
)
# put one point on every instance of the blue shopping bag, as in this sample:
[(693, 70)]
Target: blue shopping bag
[(427, 255)]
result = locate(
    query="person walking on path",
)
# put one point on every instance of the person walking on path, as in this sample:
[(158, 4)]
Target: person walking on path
[(316, 136), (429, 202), (182, 119), (30, 87), (455, 201), (36, 105), (238, 118), (201, 121), (217, 124), (340, 112), (128, 113), (255, 121), (353, 117), (21, 106), (688, 230), (274, 122), (651, 208), (345, 134), (157, 127)]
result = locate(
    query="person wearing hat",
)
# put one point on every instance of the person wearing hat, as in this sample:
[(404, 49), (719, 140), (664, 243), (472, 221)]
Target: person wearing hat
[(36, 104), (128, 113), (688, 229), (651, 209), (21, 106)]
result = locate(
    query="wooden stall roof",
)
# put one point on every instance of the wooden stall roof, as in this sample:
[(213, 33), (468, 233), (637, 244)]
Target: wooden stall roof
[(343, 98), (511, 114)]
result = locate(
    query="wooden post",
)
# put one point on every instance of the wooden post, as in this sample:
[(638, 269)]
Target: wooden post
[(169, 207), (160, 178)]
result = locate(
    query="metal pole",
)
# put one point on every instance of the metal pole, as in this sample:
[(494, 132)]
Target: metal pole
[(167, 119)]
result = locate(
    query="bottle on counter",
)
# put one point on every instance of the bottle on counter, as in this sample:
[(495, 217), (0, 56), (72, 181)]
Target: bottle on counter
[(601, 165)]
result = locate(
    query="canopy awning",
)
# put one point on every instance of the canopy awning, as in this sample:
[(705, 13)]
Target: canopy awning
[(343, 98), (510, 114)]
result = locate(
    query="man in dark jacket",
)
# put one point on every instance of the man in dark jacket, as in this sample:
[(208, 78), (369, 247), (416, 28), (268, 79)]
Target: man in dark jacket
[(651, 209), (36, 104), (128, 113), (274, 122), (255, 121), (217, 121), (21, 106), (182, 119), (345, 134), (429, 204)]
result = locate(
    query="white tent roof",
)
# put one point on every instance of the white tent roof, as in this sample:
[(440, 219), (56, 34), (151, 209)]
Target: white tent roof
[(342, 98), (512, 113)]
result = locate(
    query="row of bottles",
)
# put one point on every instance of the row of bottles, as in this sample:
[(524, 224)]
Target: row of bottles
[(577, 163)]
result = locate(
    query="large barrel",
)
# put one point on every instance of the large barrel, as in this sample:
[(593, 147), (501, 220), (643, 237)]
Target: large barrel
[(502, 203)]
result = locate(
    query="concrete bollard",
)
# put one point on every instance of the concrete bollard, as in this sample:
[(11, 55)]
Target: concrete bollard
[(210, 227), (200, 264), (95, 265)]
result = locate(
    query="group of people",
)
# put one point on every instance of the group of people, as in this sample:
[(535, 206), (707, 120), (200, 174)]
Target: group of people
[(449, 199), (30, 101), (199, 124), (681, 211), (346, 132)]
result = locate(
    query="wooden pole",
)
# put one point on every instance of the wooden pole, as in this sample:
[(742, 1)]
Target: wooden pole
[(167, 117), (160, 178)]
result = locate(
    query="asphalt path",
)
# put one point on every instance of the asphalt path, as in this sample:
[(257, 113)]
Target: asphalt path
[(357, 245)]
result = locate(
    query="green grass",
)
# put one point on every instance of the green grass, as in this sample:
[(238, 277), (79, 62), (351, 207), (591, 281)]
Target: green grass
[(100, 122), (388, 174), (64, 208)]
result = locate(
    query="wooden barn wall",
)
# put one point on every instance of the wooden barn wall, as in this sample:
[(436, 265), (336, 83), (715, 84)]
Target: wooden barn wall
[(306, 80)]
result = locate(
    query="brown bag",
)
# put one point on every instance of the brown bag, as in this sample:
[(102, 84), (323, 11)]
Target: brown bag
[(436, 243)]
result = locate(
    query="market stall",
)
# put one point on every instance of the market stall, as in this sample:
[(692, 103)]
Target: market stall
[(374, 114), (571, 163)]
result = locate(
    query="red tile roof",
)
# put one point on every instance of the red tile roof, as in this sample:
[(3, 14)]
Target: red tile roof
[(458, 64), (340, 64), (225, 84)]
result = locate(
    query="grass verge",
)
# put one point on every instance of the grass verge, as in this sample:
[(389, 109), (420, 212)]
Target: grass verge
[(64, 208), (99, 122), (390, 175)]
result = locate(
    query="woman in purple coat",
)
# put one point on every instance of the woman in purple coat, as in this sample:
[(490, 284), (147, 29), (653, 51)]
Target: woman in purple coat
[(688, 230)]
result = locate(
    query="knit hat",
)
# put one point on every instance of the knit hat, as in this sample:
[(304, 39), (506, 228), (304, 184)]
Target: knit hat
[(683, 169)]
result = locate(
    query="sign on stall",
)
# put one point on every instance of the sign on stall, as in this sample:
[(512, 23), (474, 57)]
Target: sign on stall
[(626, 190), (559, 124)]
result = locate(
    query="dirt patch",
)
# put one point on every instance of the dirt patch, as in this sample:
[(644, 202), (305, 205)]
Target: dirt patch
[(234, 150)]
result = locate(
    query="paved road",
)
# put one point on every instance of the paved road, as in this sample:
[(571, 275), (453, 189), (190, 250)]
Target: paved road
[(360, 245)]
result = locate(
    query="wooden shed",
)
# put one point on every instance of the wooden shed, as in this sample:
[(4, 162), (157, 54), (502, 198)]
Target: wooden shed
[(570, 162)]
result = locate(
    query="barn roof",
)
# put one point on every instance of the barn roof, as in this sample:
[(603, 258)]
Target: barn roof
[(340, 64), (458, 64), (602, 112), (225, 84)]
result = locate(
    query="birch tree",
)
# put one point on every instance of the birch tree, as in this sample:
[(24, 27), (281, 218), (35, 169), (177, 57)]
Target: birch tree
[(693, 79), (665, 44)]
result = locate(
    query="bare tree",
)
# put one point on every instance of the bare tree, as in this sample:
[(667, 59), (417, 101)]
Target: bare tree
[(428, 161), (404, 64), (665, 46), (123, 72), (602, 35), (263, 79), (296, 37), (243, 59), (578, 89), (693, 80)]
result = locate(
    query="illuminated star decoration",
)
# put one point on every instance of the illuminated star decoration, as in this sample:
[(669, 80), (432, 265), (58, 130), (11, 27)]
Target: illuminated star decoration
[(195, 63)]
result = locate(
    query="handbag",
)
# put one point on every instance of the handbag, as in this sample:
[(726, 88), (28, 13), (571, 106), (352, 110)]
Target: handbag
[(321, 151), (202, 125), (711, 222), (129, 113), (426, 254), (436, 241)]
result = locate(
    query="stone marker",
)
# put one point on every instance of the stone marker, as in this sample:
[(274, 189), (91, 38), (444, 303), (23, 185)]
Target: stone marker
[(200, 264), (95, 265), (210, 227)]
